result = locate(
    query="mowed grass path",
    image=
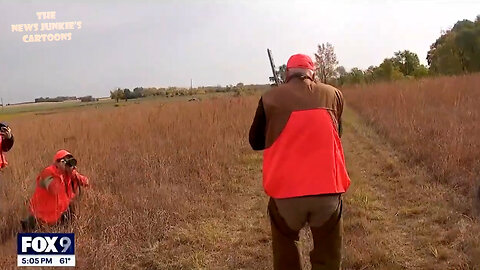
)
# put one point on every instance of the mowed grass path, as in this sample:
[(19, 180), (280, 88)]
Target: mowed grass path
[(396, 216)]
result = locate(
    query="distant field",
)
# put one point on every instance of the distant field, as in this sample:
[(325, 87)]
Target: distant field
[(42, 108), (47, 106)]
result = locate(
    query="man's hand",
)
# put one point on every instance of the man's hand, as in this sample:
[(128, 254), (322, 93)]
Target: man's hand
[(6, 132), (81, 179), (84, 182)]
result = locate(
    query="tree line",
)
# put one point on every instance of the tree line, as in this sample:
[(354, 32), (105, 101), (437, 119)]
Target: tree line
[(65, 98), (456, 51), (141, 92)]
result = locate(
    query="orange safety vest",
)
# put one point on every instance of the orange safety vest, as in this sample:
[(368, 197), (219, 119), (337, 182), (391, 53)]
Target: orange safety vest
[(49, 204), (306, 159), (3, 160)]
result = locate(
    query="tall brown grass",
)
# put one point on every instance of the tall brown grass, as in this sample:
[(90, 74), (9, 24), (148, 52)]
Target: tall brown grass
[(434, 122), (155, 169)]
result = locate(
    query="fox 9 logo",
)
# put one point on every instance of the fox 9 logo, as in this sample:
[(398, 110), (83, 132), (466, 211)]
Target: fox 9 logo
[(46, 249)]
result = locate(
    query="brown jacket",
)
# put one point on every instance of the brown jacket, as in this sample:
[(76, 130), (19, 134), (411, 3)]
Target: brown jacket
[(276, 105)]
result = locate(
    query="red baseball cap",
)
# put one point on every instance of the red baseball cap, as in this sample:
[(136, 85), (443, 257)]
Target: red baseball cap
[(61, 154), (300, 61)]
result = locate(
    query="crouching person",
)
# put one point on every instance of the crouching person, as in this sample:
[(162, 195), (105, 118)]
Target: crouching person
[(56, 188)]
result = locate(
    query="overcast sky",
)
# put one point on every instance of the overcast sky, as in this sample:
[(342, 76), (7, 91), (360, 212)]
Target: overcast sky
[(167, 43)]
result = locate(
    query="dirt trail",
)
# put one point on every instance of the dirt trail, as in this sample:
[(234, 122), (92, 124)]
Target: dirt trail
[(396, 217)]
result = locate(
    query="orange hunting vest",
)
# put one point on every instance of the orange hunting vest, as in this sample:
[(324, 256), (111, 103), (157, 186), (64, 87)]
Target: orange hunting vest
[(48, 205), (3, 160), (306, 159)]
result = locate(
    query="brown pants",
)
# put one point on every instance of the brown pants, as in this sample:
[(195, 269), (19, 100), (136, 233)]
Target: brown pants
[(324, 215)]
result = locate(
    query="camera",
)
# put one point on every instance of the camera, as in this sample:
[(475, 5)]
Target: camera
[(70, 162)]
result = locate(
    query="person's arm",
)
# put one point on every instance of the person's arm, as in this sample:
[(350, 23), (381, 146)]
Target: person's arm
[(82, 180), (339, 108), (256, 135), (52, 184)]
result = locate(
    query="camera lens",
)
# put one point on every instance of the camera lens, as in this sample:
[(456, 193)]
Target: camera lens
[(71, 162)]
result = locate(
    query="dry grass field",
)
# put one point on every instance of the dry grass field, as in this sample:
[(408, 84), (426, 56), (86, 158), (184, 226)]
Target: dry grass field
[(175, 186), (435, 123), (162, 185)]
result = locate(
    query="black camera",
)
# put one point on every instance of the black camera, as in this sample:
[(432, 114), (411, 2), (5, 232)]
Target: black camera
[(70, 162)]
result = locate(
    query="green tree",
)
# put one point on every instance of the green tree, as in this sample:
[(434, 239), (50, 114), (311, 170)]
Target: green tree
[(420, 72), (370, 74), (127, 94), (406, 61), (117, 94), (138, 92), (444, 57), (356, 76), (468, 45), (388, 71), (457, 50)]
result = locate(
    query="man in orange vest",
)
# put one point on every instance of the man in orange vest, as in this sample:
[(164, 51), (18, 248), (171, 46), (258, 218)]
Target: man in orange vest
[(298, 125), (6, 143), (56, 188)]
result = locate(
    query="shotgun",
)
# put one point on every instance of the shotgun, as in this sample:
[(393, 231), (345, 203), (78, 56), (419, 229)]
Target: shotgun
[(275, 79)]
